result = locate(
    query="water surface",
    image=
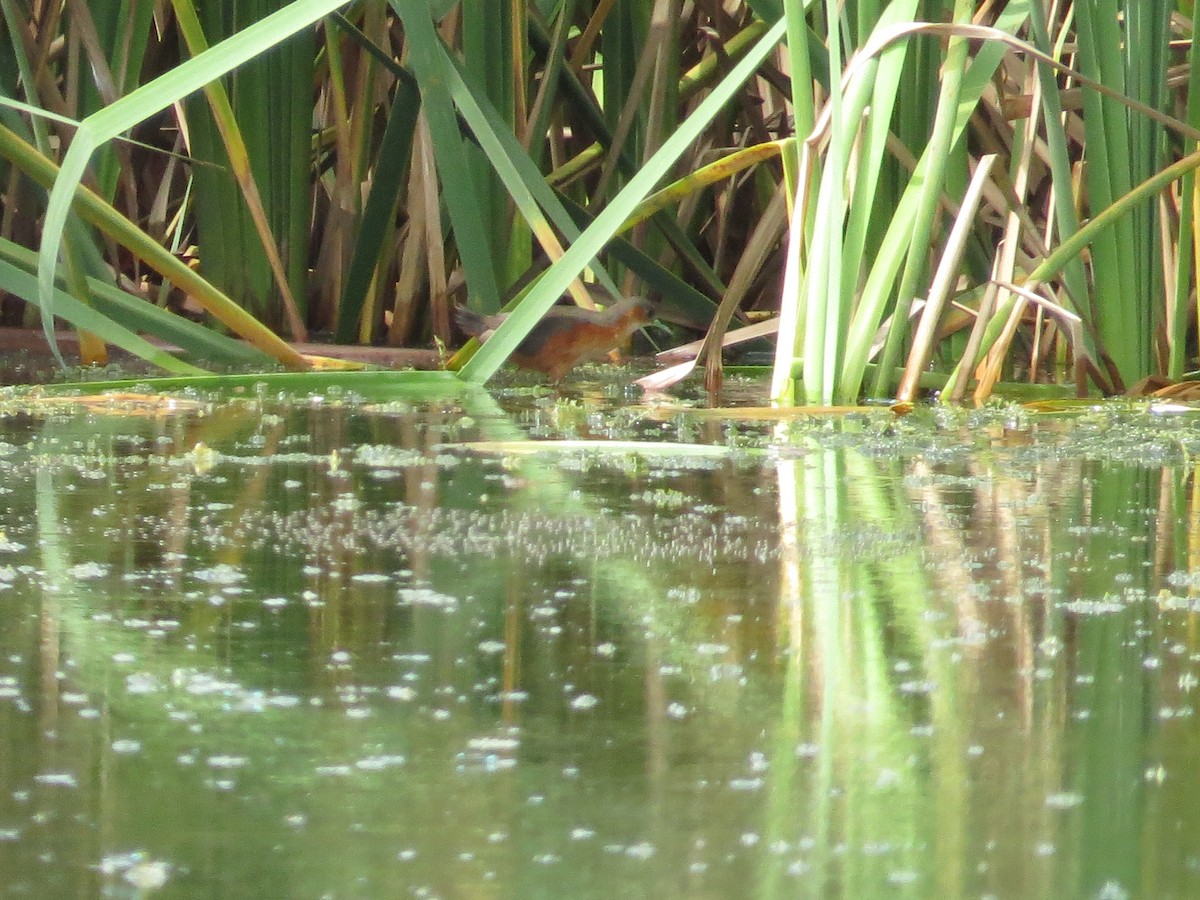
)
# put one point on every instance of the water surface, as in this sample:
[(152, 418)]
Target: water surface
[(350, 646)]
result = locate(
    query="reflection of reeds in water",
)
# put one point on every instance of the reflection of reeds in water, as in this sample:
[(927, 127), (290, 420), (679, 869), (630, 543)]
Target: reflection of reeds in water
[(975, 673), (842, 619), (999, 701)]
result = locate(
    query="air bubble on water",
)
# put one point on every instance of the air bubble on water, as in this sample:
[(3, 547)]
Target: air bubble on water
[(676, 711), (126, 747), (584, 702), (642, 850), (426, 597), (222, 573), (745, 784), (224, 761), (492, 647), (87, 571), (379, 762), (1051, 646), (1064, 800), (136, 868), (726, 672), (887, 778), (56, 779), (494, 744)]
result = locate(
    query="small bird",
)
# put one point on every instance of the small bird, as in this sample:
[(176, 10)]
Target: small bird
[(566, 335)]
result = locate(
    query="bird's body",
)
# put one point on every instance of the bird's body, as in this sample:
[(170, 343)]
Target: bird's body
[(566, 335)]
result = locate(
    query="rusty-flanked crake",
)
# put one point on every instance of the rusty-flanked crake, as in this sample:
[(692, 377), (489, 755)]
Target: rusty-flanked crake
[(566, 335)]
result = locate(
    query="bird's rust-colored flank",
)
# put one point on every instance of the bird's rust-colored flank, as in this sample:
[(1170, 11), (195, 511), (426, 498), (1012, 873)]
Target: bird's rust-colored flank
[(566, 335)]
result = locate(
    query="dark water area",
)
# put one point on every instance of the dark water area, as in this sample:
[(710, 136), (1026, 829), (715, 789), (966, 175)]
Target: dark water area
[(345, 646)]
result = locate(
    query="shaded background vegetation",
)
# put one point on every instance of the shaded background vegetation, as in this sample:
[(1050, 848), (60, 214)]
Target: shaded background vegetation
[(376, 162)]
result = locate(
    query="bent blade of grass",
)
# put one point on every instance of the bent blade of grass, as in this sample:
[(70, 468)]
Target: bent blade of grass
[(516, 170), (877, 289), (476, 248), (722, 168), (239, 162), (642, 448), (387, 184), (872, 77), (584, 250), (1188, 242), (943, 281), (824, 309), (145, 101), (24, 285), (944, 136), (869, 164), (94, 210), (139, 314), (372, 385)]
